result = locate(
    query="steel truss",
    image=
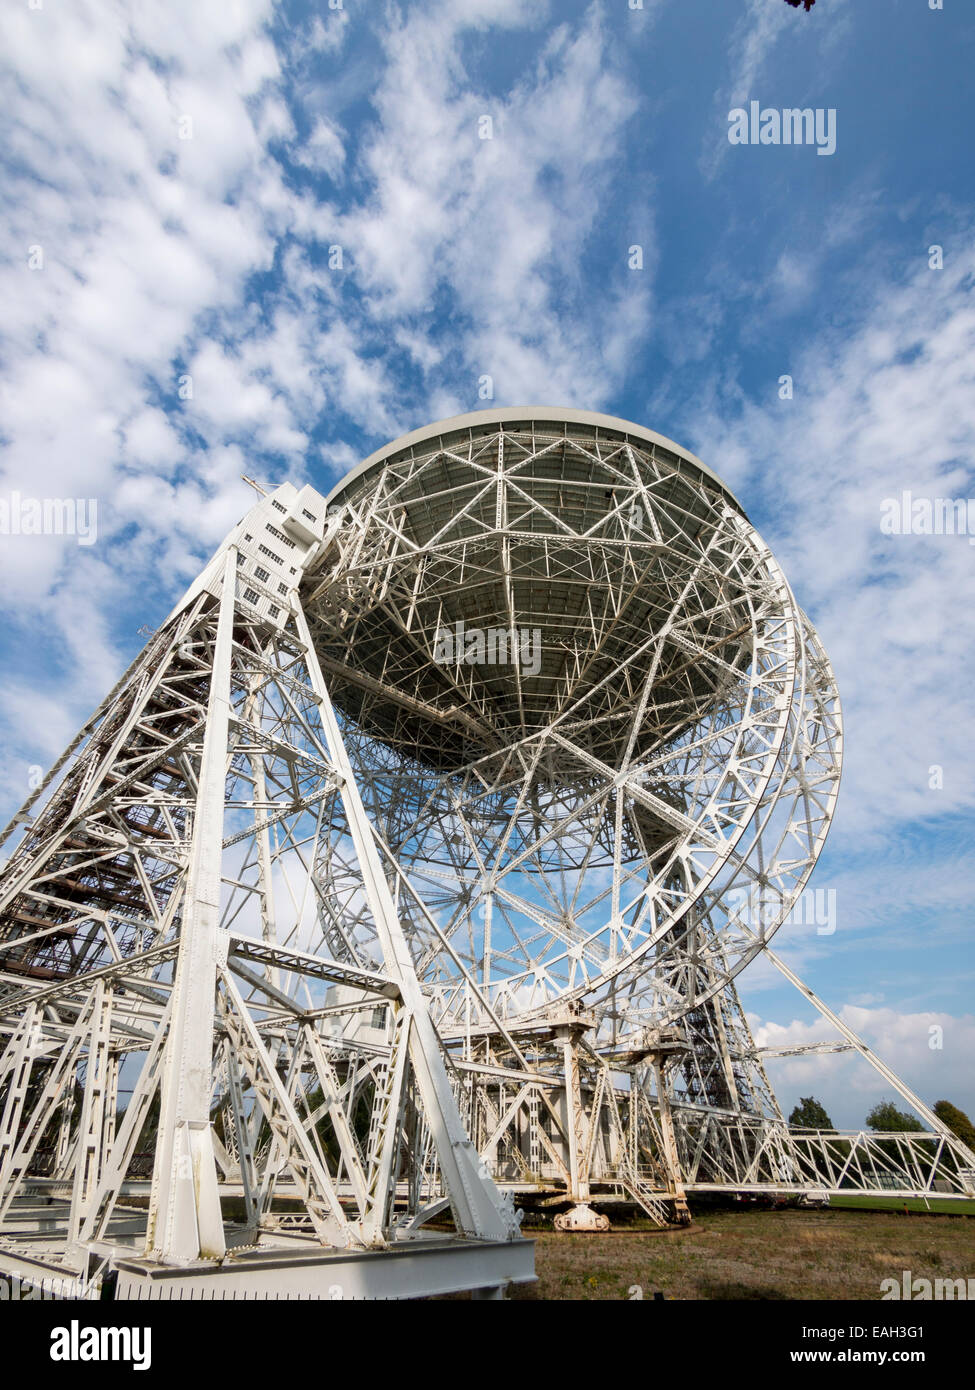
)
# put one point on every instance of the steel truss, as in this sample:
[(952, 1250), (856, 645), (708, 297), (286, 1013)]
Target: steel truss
[(164, 982), (619, 827), (325, 928)]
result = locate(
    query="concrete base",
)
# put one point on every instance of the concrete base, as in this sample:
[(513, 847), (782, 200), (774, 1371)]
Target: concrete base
[(582, 1218)]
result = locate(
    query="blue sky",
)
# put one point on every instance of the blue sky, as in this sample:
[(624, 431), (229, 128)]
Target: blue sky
[(185, 173)]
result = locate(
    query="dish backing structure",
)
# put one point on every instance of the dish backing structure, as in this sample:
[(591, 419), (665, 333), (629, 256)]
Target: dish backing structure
[(408, 871)]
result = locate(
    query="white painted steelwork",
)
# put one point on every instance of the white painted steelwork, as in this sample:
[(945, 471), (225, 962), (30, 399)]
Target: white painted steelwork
[(411, 866)]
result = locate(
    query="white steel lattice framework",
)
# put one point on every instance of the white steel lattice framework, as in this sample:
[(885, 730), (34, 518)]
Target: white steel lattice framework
[(159, 943), (414, 859), (601, 745)]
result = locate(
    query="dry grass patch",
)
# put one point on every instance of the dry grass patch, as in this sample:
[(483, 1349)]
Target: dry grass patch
[(754, 1255)]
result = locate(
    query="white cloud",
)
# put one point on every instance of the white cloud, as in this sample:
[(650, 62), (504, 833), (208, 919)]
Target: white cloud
[(142, 233), (323, 150), (503, 222), (327, 33), (146, 148), (884, 401), (848, 1086), (882, 404)]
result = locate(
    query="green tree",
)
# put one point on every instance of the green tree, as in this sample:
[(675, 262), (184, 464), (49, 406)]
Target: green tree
[(956, 1120), (885, 1118), (809, 1114)]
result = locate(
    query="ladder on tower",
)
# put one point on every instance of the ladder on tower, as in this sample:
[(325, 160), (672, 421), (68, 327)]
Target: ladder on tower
[(645, 1196)]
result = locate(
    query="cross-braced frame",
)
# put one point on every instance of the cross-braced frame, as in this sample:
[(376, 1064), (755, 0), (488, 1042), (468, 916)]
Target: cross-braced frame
[(414, 859)]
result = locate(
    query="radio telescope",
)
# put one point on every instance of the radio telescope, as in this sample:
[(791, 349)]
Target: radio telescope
[(408, 871), (589, 717), (601, 744)]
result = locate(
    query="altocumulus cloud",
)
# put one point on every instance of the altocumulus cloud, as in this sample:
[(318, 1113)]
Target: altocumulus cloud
[(184, 325)]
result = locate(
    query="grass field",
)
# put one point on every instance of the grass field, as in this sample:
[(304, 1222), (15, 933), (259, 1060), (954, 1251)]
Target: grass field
[(946, 1206), (792, 1254)]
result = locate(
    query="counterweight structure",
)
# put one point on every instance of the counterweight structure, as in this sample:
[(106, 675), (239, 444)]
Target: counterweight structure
[(410, 868)]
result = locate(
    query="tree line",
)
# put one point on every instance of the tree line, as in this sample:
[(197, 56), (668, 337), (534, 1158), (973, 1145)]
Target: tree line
[(885, 1118)]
